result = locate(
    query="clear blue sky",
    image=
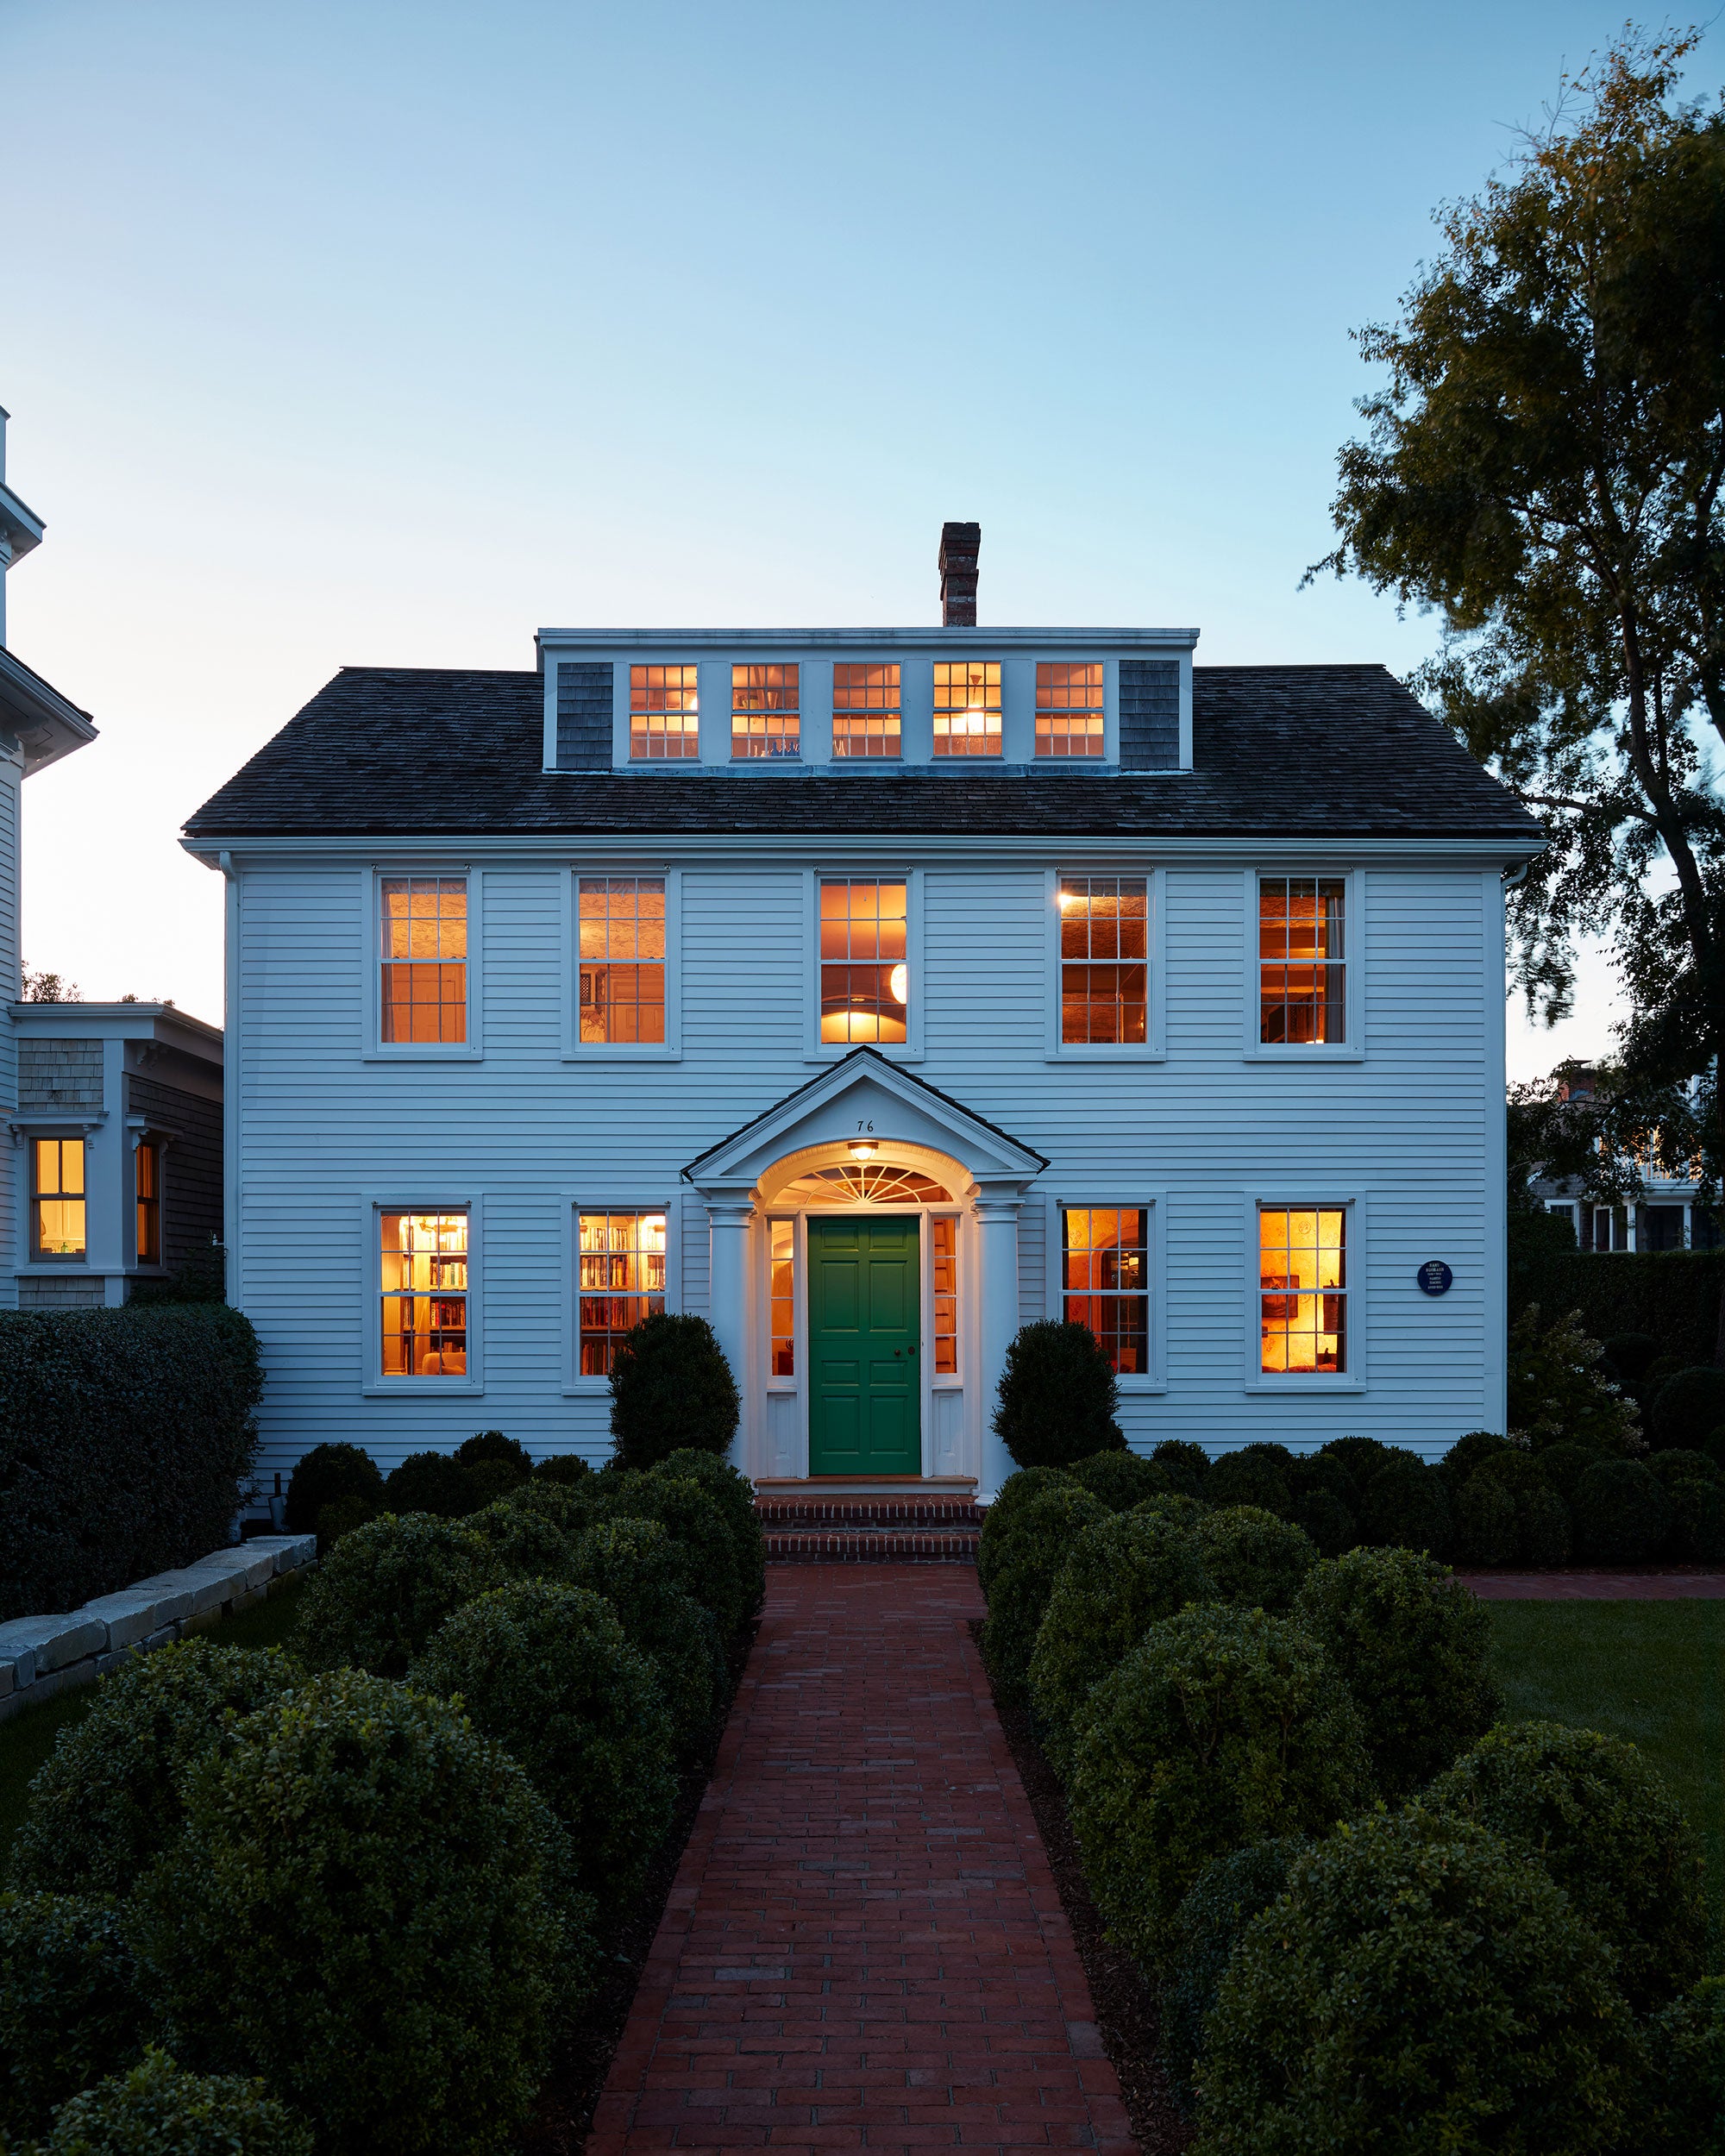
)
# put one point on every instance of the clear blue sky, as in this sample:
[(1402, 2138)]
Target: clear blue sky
[(363, 331)]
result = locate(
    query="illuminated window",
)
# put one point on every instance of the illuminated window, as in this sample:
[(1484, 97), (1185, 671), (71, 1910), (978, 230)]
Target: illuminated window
[(664, 713), (865, 710), (943, 1256), (782, 1299), (423, 934), (1069, 709), (1302, 1289), (967, 707), (1104, 962), (147, 1194), (622, 958), (424, 1294), (764, 710), (1106, 1281), (57, 1210), (1303, 989), (621, 1261), (868, 1183), (864, 978)]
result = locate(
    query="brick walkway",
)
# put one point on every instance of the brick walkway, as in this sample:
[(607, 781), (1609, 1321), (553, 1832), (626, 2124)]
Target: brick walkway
[(1595, 1587), (864, 1947)]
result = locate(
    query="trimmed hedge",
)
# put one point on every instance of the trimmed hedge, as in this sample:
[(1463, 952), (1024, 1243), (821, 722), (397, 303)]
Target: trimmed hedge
[(1673, 1294), (1221, 1727), (384, 1589), (527, 1542), (1188, 1464), (70, 2007), (125, 1437), (1256, 1560), (1058, 1396), (323, 1476), (157, 2110), (671, 1388), (695, 1520), (1620, 1512), (1688, 1407), (1207, 1927), (1259, 1474), (734, 1494), (634, 1566), (1041, 1534), (434, 1483), (1404, 1506), (1013, 1493), (1420, 1986), (1121, 1479)]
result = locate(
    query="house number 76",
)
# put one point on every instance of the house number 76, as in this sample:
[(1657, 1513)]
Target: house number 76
[(865, 1126)]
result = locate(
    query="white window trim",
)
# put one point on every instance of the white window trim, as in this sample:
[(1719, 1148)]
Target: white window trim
[(1306, 1198), (909, 1051), (374, 1048), (27, 1129), (1154, 1203), (576, 1050), (1109, 753), (621, 715), (573, 1204), (1351, 1050), (374, 1385), (1154, 1048)]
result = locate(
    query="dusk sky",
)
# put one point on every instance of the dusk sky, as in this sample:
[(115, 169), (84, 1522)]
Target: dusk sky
[(361, 332)]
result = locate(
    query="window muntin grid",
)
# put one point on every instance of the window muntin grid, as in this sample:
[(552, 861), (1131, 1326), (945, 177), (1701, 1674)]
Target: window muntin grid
[(57, 1210), (622, 1263), (422, 933), (1302, 953), (943, 1235), (1302, 1289), (864, 975), (865, 710), (1104, 960), (147, 1197), (1105, 1280), (967, 707), (765, 711), (425, 1271), (622, 985), (1069, 708), (782, 1299), (664, 713)]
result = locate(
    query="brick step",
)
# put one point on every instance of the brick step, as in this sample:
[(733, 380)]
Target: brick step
[(870, 1545), (873, 1514)]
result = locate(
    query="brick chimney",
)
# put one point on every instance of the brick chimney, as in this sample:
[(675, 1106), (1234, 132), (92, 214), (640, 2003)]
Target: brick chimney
[(960, 544)]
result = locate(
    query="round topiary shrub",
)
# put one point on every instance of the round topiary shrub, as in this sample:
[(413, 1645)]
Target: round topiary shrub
[(1413, 1647), (562, 1467), (1359, 1458), (1696, 1533), (734, 1494), (527, 1542), (434, 1483), (1682, 2111), (1121, 1479), (1620, 1512), (1331, 1526), (631, 1564), (340, 1517), (494, 1448), (671, 1390), (1404, 1507), (1677, 1466), (695, 1522), (1469, 1453), (1626, 1356), (324, 1474), (1208, 1926), (1222, 1726), (367, 1908), (1418, 1986), (1542, 1526), (997, 1520), (1564, 1465), (1121, 1576), (1247, 1478), (546, 1672), (1042, 1533), (1688, 1407), (572, 1505), (1603, 1824), (1485, 1527), (1187, 1464), (106, 1801), (384, 1589), (1256, 1560), (1175, 1507), (1058, 1396), (70, 2006), (157, 2110)]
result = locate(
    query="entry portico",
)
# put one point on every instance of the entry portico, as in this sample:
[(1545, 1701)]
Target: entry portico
[(821, 1326)]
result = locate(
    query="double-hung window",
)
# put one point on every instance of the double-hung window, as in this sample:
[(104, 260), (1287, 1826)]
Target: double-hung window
[(1069, 708), (1105, 1280), (424, 1293), (664, 714), (423, 942), (1302, 960), (621, 1267), (147, 1197), (866, 710), (1104, 960), (864, 960), (1303, 1289), (621, 926), (967, 707), (765, 715), (57, 1202)]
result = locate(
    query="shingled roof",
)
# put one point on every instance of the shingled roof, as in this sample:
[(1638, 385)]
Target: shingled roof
[(1278, 751)]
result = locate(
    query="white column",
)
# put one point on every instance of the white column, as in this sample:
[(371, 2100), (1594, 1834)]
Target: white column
[(727, 1301), (997, 1294)]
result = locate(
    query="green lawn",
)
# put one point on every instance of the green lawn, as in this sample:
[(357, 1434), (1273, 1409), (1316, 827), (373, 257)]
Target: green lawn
[(28, 1739), (1653, 1672)]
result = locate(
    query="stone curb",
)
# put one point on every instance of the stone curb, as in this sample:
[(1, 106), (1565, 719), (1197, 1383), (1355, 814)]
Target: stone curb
[(43, 1656)]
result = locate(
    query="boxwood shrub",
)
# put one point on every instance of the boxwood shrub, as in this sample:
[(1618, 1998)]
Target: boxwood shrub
[(1188, 1465), (1682, 2112), (1222, 1726), (527, 1542), (632, 1564), (1405, 1505), (1208, 1926), (997, 1520), (1564, 1464), (1689, 1406), (1042, 1532), (1467, 1454), (1176, 1509), (1419, 1986), (1413, 1647), (158, 2110), (546, 1672), (434, 1483), (1360, 1458), (1121, 1479), (1251, 1476), (695, 1519), (125, 1435), (1603, 1824), (734, 1494), (671, 1388), (1621, 1510), (325, 1474), (1058, 1396), (384, 1589), (1256, 1560), (562, 1467), (1121, 1576), (71, 2008), (365, 1909), (1486, 1530), (106, 1801), (1696, 1533)]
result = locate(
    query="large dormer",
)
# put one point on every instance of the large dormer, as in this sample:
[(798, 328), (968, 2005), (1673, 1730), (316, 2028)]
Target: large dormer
[(45, 725), (959, 699)]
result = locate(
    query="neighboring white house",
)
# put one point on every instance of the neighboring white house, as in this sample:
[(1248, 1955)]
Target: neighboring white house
[(872, 992), (1669, 1215)]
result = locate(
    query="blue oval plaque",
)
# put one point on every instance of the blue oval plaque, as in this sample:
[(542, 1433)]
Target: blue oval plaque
[(1435, 1277)]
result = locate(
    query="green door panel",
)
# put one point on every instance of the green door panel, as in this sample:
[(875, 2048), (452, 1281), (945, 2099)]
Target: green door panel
[(865, 1389)]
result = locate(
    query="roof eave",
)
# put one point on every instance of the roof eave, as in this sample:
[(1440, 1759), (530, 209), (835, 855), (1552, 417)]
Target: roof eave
[(47, 725)]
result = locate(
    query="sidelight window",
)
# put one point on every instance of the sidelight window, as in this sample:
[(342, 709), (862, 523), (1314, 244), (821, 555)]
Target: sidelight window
[(864, 965), (424, 1293), (1303, 969), (58, 1202), (967, 707), (1104, 960), (782, 1299), (1069, 709), (423, 937), (621, 1261), (664, 714), (1302, 1289), (622, 927), (943, 1231), (1105, 1258), (866, 710), (764, 710)]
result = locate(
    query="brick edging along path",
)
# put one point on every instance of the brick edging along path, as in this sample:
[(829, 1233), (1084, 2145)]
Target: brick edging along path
[(864, 1947)]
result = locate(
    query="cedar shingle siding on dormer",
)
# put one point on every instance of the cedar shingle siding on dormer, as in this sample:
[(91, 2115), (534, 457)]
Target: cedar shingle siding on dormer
[(583, 718), (59, 1076), (1149, 715)]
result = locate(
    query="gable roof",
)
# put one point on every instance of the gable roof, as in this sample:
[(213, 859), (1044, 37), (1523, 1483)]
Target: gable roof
[(1278, 751)]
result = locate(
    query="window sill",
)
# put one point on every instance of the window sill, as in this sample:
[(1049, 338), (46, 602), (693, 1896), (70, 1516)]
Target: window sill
[(622, 1052), (890, 1052), (57, 1265), (417, 1055), (1107, 1052), (421, 1387), (1267, 1052), (1296, 1386), (586, 1389), (1141, 1388)]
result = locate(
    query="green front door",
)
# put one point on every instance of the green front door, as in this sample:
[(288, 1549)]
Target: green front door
[(864, 1387)]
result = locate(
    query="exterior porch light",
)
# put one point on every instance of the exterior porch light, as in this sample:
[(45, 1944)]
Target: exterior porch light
[(862, 1149)]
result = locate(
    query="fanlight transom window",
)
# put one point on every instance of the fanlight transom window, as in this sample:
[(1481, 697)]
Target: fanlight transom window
[(869, 1182)]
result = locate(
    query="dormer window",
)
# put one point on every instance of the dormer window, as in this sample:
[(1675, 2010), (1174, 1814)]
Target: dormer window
[(1069, 709), (764, 715), (664, 714), (865, 710), (967, 707)]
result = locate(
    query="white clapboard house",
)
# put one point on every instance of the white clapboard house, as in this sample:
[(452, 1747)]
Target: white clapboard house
[(871, 992)]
